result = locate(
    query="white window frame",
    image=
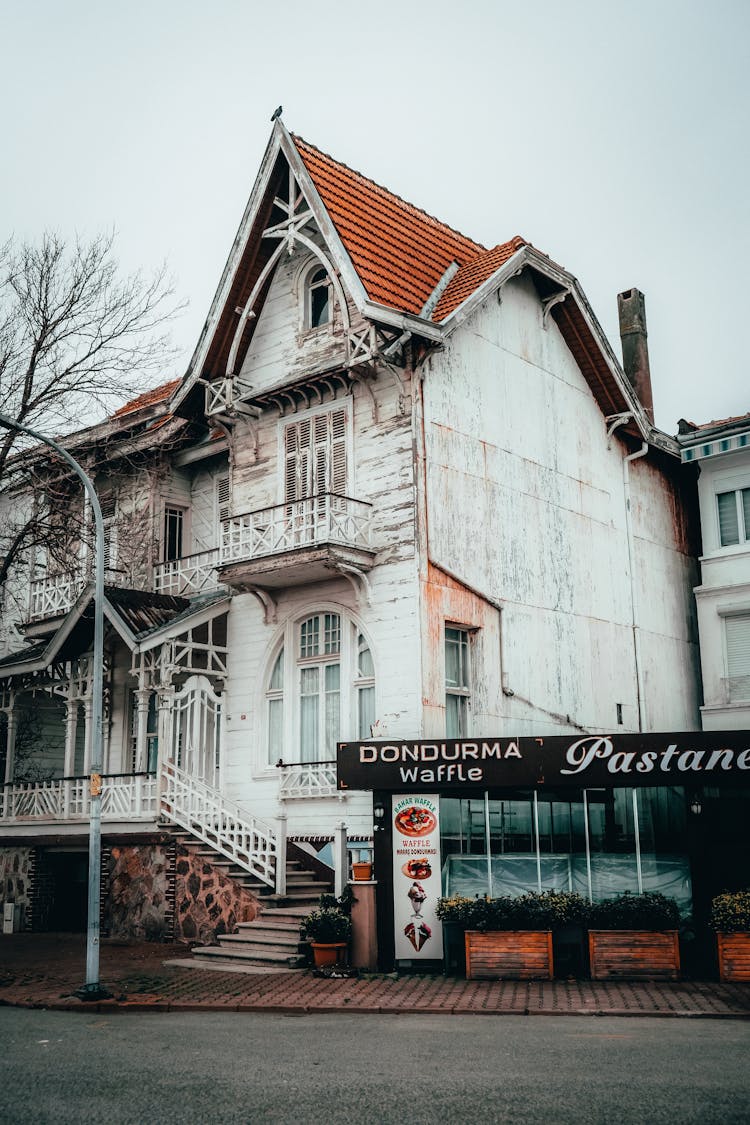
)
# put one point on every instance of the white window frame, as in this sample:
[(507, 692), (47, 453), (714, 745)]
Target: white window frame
[(304, 295), (727, 615), (350, 683), (743, 528), (462, 691), (184, 514)]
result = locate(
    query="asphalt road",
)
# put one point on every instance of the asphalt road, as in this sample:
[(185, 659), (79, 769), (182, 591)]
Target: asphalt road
[(209, 1067)]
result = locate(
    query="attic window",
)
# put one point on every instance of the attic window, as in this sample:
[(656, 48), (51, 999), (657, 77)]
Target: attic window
[(318, 299)]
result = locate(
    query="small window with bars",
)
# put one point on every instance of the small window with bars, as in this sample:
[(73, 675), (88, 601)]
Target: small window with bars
[(734, 516)]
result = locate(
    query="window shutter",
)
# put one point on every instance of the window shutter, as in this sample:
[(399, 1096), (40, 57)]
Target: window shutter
[(338, 471), (223, 497), (738, 656)]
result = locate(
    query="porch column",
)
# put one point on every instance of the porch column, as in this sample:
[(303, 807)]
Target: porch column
[(10, 743), (71, 724), (142, 696)]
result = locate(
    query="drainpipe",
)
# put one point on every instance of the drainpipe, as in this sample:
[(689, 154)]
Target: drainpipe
[(620, 420)]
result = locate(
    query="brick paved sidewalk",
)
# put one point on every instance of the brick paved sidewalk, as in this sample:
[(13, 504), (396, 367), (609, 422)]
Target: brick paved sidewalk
[(43, 970)]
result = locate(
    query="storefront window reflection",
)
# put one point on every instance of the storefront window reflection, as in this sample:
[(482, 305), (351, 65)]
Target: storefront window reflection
[(598, 842)]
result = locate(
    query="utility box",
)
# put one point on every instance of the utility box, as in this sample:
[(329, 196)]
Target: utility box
[(11, 918)]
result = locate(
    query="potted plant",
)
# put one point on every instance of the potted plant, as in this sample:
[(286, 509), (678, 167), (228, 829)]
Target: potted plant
[(328, 930), (511, 937), (634, 937), (730, 918)]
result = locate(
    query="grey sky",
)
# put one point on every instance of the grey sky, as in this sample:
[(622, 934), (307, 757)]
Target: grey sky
[(612, 136)]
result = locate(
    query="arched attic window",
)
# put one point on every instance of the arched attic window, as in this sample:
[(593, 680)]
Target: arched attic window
[(318, 298)]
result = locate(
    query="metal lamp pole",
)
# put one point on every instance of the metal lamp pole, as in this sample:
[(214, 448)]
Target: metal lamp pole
[(91, 990)]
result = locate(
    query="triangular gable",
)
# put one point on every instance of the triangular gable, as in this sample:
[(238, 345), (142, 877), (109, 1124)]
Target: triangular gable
[(399, 266)]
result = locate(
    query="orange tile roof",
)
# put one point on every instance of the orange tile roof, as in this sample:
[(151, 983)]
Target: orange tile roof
[(722, 422), (473, 274), (148, 398), (399, 252)]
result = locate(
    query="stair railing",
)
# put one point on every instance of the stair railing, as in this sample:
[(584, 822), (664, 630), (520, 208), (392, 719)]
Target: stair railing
[(226, 827)]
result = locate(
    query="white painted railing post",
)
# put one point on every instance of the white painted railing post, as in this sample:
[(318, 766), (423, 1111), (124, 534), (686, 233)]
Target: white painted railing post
[(340, 860), (281, 856)]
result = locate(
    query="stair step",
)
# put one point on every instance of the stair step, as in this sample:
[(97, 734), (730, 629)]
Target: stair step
[(238, 941), (240, 954)]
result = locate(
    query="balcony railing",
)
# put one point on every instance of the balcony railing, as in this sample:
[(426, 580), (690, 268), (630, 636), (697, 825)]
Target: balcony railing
[(193, 574), (325, 518), (56, 594), (307, 779), (124, 797)]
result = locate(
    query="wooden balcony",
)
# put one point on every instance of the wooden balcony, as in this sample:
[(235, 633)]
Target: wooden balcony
[(54, 595), (292, 544), (188, 576)]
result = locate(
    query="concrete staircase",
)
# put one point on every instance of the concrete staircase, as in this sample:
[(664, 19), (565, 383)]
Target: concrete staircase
[(271, 942)]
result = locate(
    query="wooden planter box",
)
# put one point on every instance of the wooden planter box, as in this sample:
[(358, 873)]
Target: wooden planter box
[(509, 955), (734, 956), (634, 955)]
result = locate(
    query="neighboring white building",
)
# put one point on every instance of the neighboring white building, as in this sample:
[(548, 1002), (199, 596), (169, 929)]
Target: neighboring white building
[(408, 491), (721, 450)]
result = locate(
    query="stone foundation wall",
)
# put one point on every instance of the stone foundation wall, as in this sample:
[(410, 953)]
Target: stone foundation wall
[(138, 891), (207, 902), (16, 879)]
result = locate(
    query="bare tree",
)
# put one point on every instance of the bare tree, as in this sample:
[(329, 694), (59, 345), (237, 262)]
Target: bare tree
[(77, 338)]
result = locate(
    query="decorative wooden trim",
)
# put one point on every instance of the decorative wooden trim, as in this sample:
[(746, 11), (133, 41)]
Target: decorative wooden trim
[(734, 956), (634, 954), (509, 955)]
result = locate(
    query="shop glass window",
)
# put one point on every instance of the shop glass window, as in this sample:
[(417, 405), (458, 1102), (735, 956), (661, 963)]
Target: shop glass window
[(734, 516), (457, 682), (597, 842)]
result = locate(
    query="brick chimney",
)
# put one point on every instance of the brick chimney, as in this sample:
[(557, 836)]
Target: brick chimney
[(631, 306)]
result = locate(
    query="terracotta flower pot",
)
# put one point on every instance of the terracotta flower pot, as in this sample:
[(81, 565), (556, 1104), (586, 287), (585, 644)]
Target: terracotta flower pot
[(328, 953), (362, 871)]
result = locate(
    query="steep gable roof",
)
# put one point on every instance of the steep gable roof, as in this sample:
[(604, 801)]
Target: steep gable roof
[(399, 251), (401, 267)]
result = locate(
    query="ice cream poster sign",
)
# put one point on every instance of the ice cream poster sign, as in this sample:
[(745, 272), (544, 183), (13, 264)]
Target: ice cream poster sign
[(416, 877)]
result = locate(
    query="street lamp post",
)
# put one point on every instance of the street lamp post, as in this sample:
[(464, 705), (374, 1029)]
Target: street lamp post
[(92, 989)]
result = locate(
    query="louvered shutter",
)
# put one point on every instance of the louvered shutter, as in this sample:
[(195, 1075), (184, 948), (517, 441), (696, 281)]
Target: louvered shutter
[(738, 656), (338, 462), (223, 497), (107, 505)]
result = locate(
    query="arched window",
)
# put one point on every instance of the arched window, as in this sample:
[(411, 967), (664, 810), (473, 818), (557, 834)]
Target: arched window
[(321, 689), (319, 309)]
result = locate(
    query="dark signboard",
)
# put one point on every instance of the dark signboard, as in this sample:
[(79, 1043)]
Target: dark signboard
[(688, 758)]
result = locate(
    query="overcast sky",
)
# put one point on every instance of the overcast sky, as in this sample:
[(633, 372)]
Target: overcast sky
[(612, 136)]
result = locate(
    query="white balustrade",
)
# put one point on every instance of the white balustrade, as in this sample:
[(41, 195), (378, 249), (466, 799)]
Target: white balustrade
[(326, 518), (226, 827), (53, 596), (124, 797), (308, 779), (193, 574)]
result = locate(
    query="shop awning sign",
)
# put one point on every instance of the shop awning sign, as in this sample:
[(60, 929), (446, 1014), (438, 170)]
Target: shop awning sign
[(686, 758)]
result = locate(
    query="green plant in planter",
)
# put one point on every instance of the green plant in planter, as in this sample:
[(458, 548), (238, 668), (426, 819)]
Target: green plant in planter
[(650, 911), (545, 910), (730, 912), (327, 926)]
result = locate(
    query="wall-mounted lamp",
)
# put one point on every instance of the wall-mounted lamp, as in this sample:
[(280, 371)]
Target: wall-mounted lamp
[(378, 813), (696, 807)]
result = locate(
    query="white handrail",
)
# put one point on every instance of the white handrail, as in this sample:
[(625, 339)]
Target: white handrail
[(326, 518), (124, 797), (227, 828)]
